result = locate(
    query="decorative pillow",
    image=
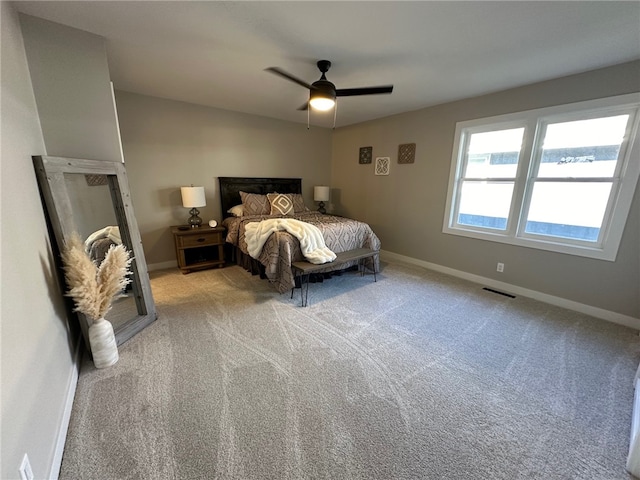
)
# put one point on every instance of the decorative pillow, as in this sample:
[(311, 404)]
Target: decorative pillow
[(281, 203), (236, 211), (255, 204), (298, 203)]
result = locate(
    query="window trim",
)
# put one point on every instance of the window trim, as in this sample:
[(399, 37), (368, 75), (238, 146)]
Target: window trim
[(625, 178)]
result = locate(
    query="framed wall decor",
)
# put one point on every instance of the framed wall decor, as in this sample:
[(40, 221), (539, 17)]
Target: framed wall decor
[(382, 165), (366, 154), (407, 153)]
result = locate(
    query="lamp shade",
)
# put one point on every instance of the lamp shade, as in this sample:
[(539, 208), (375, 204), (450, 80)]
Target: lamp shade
[(193, 197), (321, 193)]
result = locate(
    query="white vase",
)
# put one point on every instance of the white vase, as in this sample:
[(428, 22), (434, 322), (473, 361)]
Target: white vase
[(103, 343)]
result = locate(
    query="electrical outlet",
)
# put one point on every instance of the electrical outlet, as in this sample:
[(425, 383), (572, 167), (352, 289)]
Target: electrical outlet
[(25, 469), (500, 267)]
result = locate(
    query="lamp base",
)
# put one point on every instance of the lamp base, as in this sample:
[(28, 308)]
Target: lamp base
[(321, 208), (194, 220)]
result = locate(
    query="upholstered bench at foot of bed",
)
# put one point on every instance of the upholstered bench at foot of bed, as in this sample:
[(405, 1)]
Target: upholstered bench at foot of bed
[(305, 269)]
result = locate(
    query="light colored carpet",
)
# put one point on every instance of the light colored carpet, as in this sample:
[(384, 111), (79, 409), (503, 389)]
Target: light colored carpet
[(417, 376)]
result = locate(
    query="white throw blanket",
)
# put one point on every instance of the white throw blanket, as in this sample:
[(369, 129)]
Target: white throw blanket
[(311, 239)]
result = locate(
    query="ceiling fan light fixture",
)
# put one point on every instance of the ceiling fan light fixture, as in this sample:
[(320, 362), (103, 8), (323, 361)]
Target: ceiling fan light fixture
[(323, 93), (322, 103)]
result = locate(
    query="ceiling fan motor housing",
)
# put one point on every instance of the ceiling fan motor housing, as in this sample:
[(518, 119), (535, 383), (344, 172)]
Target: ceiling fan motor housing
[(323, 88), (324, 65)]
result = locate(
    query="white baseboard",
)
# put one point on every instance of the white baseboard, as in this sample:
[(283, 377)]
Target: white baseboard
[(601, 313), (151, 267), (56, 463)]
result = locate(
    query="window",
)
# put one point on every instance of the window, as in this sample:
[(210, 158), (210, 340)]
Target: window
[(559, 179)]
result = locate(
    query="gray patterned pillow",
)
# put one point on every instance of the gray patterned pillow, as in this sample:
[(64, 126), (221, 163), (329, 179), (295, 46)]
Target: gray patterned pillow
[(255, 204), (281, 203), (298, 203)]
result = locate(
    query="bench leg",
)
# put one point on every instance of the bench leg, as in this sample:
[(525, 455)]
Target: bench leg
[(361, 263), (373, 266), (304, 280), (304, 297)]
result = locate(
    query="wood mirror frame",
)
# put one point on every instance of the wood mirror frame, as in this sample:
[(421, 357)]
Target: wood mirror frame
[(51, 172)]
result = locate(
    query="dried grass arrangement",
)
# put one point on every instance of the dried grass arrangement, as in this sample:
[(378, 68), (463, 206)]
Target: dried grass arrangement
[(92, 287)]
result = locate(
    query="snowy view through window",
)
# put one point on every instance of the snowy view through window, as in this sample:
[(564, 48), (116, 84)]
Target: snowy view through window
[(570, 184)]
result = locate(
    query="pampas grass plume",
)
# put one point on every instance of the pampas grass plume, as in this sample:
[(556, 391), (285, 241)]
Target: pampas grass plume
[(92, 287)]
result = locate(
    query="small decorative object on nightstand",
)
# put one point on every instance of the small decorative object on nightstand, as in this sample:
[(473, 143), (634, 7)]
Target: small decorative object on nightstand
[(193, 197), (198, 248), (321, 194)]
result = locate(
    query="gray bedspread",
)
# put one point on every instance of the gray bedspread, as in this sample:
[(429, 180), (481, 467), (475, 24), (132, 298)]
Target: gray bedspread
[(282, 249), (99, 248)]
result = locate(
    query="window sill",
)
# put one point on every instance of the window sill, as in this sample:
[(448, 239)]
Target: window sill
[(546, 245)]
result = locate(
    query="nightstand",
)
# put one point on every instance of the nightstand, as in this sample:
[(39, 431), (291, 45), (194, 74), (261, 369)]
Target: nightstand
[(199, 248)]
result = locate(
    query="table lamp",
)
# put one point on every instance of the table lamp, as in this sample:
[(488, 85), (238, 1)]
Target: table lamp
[(321, 194), (193, 197)]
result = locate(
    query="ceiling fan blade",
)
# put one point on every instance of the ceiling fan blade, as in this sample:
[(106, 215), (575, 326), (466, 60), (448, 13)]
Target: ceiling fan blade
[(304, 107), (350, 92), (288, 76)]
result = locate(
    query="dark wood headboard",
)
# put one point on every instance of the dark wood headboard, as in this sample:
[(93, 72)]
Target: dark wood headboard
[(230, 188)]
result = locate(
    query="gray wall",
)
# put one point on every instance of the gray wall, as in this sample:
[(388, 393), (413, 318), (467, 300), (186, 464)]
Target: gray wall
[(406, 208), (71, 82), (36, 355), (65, 80), (169, 144)]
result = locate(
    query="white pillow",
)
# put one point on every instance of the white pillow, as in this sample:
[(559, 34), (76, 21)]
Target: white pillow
[(236, 211)]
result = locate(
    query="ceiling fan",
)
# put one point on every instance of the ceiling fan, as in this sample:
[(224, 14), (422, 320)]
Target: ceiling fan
[(323, 93)]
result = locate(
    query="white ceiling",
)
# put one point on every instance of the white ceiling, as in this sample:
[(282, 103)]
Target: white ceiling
[(214, 53)]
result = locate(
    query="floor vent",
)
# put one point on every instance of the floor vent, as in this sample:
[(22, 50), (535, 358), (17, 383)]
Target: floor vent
[(499, 292)]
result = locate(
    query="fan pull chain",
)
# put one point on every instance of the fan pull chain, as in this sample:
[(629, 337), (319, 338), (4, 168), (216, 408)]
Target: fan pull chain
[(335, 113), (308, 113)]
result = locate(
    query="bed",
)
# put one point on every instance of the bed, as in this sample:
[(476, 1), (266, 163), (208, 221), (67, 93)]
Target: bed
[(98, 243), (282, 249)]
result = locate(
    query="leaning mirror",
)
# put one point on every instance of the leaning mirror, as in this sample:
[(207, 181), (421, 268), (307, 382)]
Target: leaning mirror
[(92, 198)]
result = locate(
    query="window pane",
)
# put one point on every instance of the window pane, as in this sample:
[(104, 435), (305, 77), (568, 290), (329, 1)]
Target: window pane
[(584, 148), (568, 210), (485, 204), (494, 154)]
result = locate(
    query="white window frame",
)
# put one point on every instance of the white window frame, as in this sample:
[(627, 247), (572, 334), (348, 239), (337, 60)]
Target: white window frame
[(625, 178)]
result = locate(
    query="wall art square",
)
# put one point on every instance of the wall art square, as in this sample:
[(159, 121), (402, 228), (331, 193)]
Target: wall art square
[(382, 165), (366, 154), (407, 153)]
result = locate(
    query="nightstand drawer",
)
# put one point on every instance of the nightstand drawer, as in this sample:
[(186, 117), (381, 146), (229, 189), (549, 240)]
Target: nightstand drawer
[(201, 240)]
